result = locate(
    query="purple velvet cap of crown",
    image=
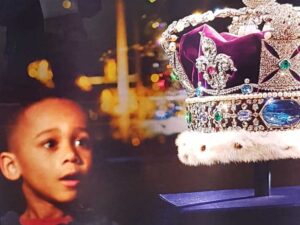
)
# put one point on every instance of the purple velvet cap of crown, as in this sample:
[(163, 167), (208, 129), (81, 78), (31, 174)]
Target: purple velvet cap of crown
[(244, 51)]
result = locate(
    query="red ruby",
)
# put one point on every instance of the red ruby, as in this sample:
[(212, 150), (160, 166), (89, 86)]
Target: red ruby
[(211, 70)]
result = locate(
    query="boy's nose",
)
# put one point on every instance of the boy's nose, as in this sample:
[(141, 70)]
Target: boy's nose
[(71, 154)]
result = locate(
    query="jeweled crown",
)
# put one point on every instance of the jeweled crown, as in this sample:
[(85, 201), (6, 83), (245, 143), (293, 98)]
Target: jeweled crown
[(247, 78)]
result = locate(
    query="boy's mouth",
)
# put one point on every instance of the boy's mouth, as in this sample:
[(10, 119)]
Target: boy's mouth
[(71, 180)]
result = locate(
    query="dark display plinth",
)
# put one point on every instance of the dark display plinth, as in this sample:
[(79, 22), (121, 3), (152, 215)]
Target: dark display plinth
[(233, 207)]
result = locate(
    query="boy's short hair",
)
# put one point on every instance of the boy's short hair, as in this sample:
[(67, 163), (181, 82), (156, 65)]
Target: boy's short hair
[(10, 114)]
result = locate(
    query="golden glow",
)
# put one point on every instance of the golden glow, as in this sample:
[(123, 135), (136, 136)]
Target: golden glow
[(83, 82), (140, 108), (155, 87), (135, 141), (110, 70), (110, 103), (155, 25), (154, 77), (128, 107), (197, 13), (97, 80), (41, 71), (50, 84), (67, 4)]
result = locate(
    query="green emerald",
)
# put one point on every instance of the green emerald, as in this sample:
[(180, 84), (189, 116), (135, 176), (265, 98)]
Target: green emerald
[(285, 64), (218, 116), (188, 117), (174, 76)]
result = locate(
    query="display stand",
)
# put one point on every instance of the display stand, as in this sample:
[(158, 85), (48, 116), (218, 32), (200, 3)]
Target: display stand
[(259, 206), (262, 179)]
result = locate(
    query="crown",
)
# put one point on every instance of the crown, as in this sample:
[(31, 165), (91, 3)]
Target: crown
[(246, 79)]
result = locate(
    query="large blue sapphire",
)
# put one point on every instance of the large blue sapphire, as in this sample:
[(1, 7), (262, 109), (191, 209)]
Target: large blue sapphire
[(281, 113)]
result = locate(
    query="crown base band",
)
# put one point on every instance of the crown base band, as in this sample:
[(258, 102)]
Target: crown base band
[(254, 112)]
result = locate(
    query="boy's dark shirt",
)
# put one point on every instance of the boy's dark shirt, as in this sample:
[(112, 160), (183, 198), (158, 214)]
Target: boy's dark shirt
[(12, 218)]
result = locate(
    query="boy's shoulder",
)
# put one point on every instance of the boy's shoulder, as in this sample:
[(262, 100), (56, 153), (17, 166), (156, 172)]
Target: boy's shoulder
[(10, 218)]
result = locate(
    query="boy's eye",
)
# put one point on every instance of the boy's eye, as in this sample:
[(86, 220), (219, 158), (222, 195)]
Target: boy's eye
[(82, 142), (50, 144)]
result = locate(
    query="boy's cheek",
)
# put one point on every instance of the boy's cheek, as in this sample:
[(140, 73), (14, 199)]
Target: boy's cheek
[(88, 161)]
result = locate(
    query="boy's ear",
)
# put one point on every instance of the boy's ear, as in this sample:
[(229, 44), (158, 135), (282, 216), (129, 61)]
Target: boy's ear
[(9, 166)]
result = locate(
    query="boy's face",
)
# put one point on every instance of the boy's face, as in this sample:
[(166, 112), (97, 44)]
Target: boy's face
[(51, 144)]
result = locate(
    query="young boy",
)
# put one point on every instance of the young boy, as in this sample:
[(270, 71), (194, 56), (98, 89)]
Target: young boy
[(49, 150)]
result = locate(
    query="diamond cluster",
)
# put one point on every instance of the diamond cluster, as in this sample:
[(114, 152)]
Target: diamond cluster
[(277, 68), (213, 66)]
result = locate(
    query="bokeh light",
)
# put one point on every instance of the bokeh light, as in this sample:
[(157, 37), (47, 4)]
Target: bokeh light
[(154, 77), (83, 82), (67, 4), (41, 71)]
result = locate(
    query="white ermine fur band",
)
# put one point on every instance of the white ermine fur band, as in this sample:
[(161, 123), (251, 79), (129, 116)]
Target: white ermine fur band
[(195, 148)]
